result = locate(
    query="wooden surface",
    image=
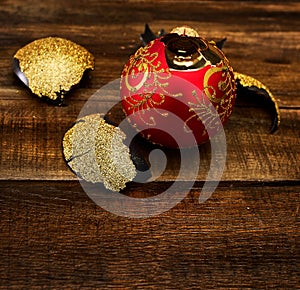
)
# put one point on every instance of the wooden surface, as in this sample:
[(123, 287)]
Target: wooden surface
[(246, 236)]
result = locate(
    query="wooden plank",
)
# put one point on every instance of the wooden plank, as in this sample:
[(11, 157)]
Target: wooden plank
[(53, 236), (31, 135), (265, 46)]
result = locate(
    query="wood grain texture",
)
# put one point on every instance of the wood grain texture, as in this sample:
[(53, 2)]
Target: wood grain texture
[(53, 235), (262, 37), (32, 132), (246, 236)]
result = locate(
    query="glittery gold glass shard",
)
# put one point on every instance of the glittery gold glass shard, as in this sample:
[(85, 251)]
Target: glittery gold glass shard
[(52, 65), (95, 151), (185, 30), (252, 85)]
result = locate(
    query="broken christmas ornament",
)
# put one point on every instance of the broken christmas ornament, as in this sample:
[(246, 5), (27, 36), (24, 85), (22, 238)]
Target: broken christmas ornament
[(51, 66), (183, 74), (95, 151), (177, 91)]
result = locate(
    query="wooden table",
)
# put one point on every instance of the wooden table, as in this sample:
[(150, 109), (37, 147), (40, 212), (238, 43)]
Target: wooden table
[(246, 236)]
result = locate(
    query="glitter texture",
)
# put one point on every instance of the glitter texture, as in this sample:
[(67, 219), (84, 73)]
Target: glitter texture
[(53, 65), (96, 152), (247, 81), (185, 30)]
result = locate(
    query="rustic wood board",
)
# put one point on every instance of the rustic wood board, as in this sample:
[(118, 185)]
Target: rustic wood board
[(246, 236), (52, 235), (32, 133)]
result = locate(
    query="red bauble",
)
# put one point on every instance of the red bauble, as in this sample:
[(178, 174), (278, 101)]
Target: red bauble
[(178, 90)]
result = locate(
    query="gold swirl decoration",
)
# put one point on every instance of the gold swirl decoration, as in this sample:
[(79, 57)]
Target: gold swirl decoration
[(146, 64), (151, 85), (203, 112), (226, 85)]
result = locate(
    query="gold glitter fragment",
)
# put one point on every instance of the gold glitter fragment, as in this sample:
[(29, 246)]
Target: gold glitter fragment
[(96, 152), (247, 81), (185, 30), (53, 65)]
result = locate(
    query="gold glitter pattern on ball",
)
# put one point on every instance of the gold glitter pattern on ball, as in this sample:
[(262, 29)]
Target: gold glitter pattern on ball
[(53, 65), (96, 152)]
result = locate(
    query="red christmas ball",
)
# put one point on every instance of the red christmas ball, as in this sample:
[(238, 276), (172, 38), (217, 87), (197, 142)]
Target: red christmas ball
[(178, 90)]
